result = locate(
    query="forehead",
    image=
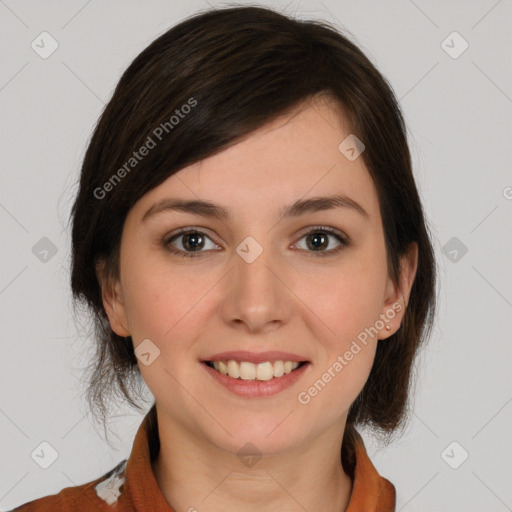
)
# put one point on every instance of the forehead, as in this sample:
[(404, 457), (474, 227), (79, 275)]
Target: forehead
[(294, 156)]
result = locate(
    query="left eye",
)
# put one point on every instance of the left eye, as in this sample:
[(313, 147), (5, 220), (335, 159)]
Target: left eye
[(318, 239)]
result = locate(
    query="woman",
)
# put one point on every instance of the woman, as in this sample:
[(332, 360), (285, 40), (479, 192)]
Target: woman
[(250, 239)]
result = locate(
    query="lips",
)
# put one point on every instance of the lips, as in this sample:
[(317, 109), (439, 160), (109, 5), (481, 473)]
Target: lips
[(252, 388)]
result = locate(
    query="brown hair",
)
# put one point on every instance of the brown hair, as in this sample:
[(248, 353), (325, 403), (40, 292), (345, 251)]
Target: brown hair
[(244, 66)]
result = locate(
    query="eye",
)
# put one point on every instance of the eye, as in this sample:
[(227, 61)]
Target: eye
[(189, 241), (318, 239)]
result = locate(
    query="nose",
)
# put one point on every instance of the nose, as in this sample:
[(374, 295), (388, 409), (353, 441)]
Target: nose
[(256, 296)]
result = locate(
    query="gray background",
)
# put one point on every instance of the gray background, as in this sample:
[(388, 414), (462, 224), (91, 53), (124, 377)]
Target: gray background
[(458, 112)]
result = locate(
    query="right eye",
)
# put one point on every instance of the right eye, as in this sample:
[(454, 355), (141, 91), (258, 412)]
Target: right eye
[(191, 242)]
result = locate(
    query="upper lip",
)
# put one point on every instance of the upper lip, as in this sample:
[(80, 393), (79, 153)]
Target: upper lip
[(256, 357)]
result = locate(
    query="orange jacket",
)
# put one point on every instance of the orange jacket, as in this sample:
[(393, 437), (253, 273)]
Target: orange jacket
[(132, 487)]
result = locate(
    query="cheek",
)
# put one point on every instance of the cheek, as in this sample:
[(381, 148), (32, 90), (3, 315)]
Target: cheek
[(349, 306), (156, 299), (336, 381), (330, 392), (161, 309), (347, 302)]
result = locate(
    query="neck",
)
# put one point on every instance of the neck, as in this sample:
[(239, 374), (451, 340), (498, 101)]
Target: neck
[(193, 474)]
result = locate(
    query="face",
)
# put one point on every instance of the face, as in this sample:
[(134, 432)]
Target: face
[(258, 281)]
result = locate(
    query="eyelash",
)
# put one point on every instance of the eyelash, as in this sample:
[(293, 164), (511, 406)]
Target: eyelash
[(344, 242)]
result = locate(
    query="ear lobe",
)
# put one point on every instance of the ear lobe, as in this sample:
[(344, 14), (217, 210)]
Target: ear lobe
[(112, 298)]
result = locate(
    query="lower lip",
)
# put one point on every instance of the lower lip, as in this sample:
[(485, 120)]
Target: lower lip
[(257, 388)]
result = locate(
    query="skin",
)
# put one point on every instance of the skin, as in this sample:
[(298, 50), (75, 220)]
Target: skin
[(290, 298)]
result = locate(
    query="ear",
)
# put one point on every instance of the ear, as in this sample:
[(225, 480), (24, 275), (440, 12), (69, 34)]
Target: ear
[(112, 298), (397, 298)]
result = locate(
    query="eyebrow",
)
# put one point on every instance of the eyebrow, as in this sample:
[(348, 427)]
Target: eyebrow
[(298, 208)]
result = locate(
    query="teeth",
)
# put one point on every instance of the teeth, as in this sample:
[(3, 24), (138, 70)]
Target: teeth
[(250, 371), (222, 368), (265, 371), (278, 369), (233, 370)]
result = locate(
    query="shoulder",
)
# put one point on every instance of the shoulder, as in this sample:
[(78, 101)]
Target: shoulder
[(98, 494)]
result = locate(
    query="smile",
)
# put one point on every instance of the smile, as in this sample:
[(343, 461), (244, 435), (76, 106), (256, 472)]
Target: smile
[(251, 387)]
